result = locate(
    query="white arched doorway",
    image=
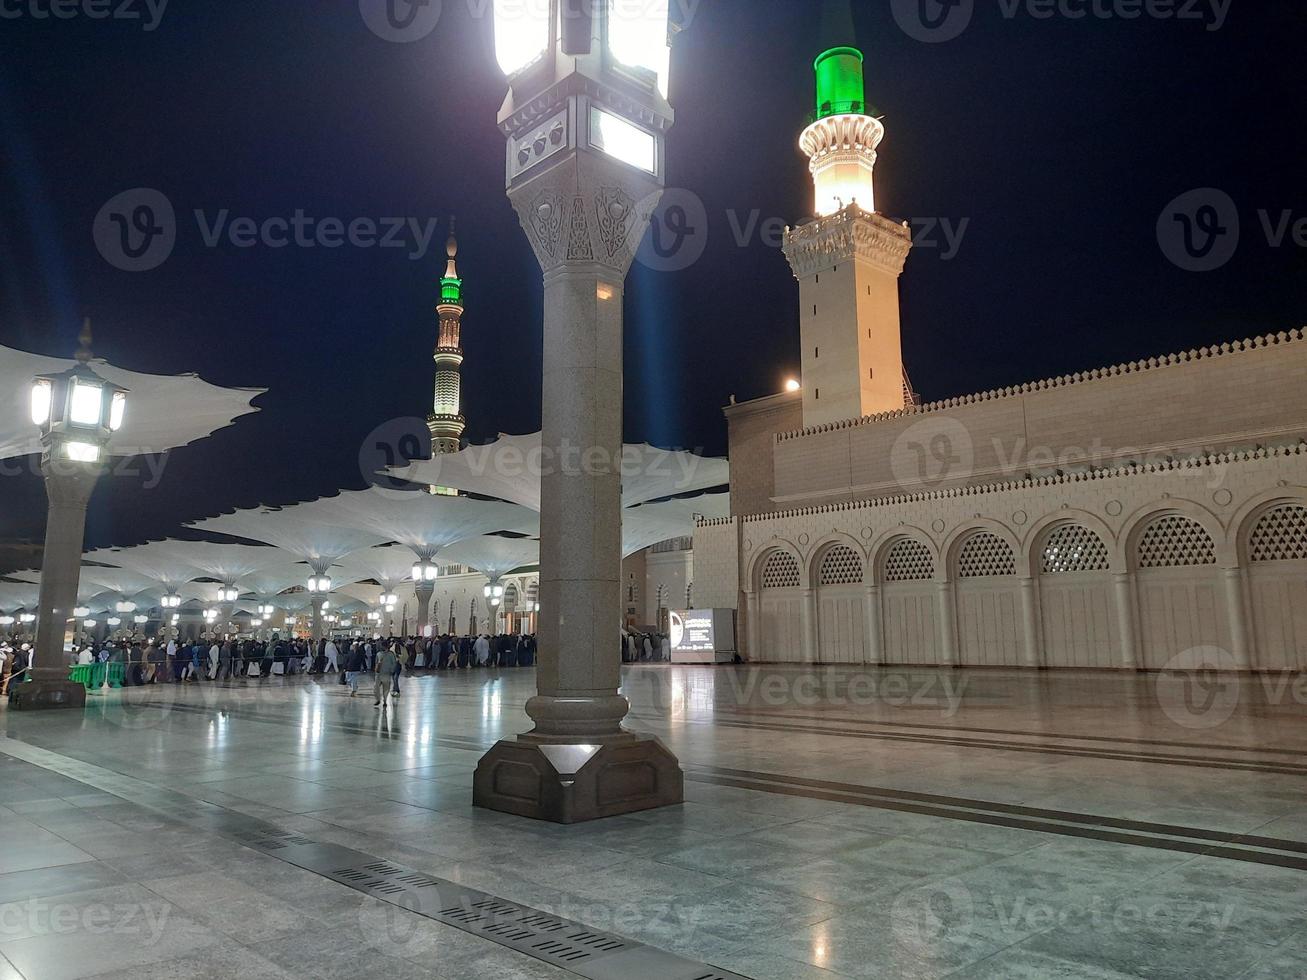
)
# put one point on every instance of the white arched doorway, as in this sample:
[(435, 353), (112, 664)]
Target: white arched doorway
[(841, 607), (1182, 602), (1277, 579), (988, 602), (780, 605), (911, 610), (1075, 598)]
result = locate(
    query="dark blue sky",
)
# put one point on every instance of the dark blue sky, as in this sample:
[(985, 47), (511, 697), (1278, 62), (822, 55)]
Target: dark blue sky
[(1056, 143)]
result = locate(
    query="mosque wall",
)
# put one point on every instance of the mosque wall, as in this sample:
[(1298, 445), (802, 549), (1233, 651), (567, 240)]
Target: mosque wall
[(1236, 396), (1119, 568)]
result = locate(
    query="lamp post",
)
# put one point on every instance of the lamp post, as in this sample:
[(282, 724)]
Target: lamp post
[(319, 585), (586, 120), (425, 573), (77, 412)]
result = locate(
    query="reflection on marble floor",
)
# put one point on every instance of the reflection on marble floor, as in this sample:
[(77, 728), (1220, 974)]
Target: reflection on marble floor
[(847, 822)]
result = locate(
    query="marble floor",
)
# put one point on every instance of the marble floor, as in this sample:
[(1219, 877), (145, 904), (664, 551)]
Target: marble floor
[(841, 822)]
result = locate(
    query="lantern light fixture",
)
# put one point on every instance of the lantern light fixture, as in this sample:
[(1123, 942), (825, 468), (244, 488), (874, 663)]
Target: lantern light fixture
[(425, 571), (81, 612)]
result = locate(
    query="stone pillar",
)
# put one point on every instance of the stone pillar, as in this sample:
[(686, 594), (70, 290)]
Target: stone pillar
[(317, 602), (69, 487), (424, 591), (751, 613), (808, 622), (1125, 618), (875, 636), (579, 763), (1238, 613), (1032, 652), (947, 624)]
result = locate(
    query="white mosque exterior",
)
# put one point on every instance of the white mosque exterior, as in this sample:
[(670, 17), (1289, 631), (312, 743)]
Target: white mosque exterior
[(1140, 516)]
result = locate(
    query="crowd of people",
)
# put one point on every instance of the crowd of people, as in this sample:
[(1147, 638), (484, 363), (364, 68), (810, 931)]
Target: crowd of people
[(646, 648), (15, 660), (199, 659)]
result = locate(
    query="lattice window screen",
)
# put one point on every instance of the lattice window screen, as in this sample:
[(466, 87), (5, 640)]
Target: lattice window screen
[(1281, 535), (985, 555), (841, 566), (781, 571), (1176, 542), (909, 561), (1074, 548)]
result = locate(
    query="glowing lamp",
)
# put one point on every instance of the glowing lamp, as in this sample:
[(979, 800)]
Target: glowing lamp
[(81, 612), (792, 385), (77, 410)]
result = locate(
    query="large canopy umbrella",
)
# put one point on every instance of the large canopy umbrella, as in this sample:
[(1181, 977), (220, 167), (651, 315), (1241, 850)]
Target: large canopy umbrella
[(510, 469), (163, 411)]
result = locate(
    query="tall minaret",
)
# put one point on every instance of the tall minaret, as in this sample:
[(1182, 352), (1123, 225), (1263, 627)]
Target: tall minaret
[(849, 258), (446, 421)]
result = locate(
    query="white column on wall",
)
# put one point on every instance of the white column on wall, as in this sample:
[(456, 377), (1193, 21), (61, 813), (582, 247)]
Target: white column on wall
[(1125, 617), (1234, 595), (947, 624), (808, 611), (751, 623), (875, 643), (1030, 623)]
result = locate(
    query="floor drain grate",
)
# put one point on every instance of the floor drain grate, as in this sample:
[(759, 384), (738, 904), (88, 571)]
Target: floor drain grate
[(560, 951), (565, 944)]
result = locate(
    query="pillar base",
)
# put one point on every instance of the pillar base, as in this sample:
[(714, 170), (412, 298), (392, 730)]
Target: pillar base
[(573, 783), (43, 695)]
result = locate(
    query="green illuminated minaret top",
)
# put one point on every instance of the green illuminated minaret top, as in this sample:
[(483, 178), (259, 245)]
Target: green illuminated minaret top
[(841, 89)]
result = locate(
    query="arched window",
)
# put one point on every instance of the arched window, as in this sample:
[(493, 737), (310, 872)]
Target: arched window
[(840, 566), (1175, 541), (985, 555), (1073, 548), (1280, 535), (909, 561), (781, 571)]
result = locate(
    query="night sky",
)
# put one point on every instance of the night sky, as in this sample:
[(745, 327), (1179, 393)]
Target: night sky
[(1058, 142)]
